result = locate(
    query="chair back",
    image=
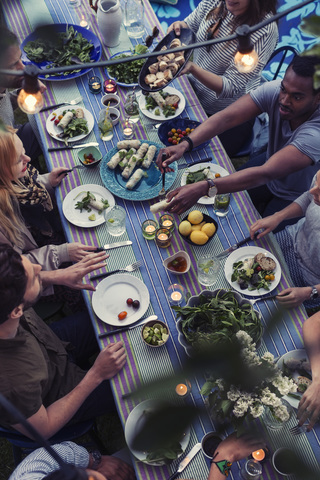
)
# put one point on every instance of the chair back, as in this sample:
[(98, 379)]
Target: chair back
[(278, 62)]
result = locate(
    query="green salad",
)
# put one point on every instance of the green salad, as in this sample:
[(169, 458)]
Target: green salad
[(59, 52), (128, 72)]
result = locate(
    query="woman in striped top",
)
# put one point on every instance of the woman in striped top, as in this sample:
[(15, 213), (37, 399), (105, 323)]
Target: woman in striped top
[(217, 82)]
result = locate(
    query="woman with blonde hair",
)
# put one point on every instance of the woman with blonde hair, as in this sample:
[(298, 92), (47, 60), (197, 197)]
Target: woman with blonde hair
[(21, 184), (213, 73)]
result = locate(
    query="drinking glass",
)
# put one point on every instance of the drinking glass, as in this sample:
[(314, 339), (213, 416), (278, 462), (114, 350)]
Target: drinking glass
[(221, 204), (74, 3), (115, 220), (251, 470), (105, 126), (271, 421), (208, 268), (283, 461)]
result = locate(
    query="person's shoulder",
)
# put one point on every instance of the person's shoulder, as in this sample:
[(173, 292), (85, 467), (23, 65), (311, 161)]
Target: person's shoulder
[(267, 89)]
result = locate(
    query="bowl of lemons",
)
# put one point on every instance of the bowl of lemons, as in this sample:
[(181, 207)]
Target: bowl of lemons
[(198, 228)]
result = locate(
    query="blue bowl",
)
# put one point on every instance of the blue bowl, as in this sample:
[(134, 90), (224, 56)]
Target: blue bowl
[(181, 123)]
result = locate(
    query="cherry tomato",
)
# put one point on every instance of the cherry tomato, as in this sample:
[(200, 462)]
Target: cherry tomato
[(180, 135), (179, 130), (129, 301), (217, 175), (174, 142), (170, 134), (258, 268), (173, 130), (271, 277), (175, 105), (184, 133), (56, 121), (188, 130), (267, 278), (136, 304), (170, 140), (122, 315)]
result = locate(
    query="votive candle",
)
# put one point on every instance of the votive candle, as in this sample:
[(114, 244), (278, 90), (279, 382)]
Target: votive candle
[(167, 221), (149, 228), (163, 237), (183, 389), (84, 23), (110, 86), (95, 84), (175, 293)]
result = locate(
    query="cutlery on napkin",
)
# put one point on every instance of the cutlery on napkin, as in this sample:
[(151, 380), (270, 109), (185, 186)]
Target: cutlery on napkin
[(235, 246)]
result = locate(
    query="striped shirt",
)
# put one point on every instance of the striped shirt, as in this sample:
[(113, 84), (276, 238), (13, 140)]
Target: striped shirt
[(220, 58)]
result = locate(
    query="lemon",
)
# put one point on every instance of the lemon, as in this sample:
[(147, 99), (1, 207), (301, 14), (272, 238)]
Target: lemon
[(198, 237), (185, 228), (209, 229), (195, 217)]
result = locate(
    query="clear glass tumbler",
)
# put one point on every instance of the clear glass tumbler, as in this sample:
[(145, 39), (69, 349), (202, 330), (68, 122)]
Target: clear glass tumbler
[(115, 220), (221, 204), (208, 268), (105, 126), (251, 470)]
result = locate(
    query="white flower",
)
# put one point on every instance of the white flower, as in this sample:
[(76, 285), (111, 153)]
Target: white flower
[(285, 385), (244, 338), (268, 357), (256, 410), (281, 413), (233, 394), (220, 384), (269, 398)]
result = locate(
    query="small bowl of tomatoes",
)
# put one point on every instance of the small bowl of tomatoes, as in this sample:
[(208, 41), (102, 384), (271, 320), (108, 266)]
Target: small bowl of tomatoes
[(171, 132), (89, 156)]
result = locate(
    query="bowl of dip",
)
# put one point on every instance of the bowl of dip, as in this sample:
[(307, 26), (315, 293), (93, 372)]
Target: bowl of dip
[(179, 263)]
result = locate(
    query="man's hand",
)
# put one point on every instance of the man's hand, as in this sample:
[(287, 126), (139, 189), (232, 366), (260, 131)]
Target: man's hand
[(176, 26), (77, 251), (56, 175), (185, 197), (115, 469), (72, 276), (235, 448), (293, 297), (309, 406), (109, 361), (172, 153)]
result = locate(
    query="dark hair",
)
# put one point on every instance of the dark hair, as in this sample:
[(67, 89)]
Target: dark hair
[(69, 472), (13, 281), (257, 10), (305, 66), (7, 39)]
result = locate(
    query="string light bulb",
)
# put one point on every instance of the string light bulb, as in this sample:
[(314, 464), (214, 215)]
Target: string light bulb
[(246, 59), (30, 99)]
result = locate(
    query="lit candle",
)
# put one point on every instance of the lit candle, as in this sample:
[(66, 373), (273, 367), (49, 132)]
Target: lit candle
[(163, 236), (176, 296), (167, 223), (110, 86), (181, 389), (127, 132), (150, 229), (258, 455), (95, 84), (84, 22)]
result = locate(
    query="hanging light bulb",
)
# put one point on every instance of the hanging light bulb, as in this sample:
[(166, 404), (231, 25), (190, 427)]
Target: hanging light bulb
[(30, 99), (246, 59)]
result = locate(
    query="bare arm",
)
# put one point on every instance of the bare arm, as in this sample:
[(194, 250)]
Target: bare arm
[(288, 160), (268, 224), (309, 406), (50, 420)]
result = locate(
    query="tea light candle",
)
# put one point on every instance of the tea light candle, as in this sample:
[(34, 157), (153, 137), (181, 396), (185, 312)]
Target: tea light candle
[(163, 237), (149, 228), (167, 221), (176, 296), (258, 455), (110, 86), (183, 389), (84, 23), (175, 293), (95, 84)]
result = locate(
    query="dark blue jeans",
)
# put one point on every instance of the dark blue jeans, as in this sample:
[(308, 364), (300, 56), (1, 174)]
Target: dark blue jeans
[(77, 329), (263, 199)]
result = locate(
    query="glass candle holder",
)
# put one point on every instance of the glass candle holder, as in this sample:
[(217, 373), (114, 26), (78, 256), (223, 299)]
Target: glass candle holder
[(84, 23), (176, 294), (167, 221), (163, 237), (149, 228), (128, 129), (251, 470), (94, 84), (110, 86), (184, 388)]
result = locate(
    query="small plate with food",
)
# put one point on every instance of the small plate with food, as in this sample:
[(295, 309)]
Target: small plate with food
[(84, 205), (157, 72), (163, 105), (130, 172), (170, 132), (295, 364), (252, 271), (202, 171), (136, 421), (69, 124), (110, 300), (126, 74)]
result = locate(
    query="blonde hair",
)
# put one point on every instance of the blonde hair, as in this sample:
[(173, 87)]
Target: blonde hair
[(10, 219)]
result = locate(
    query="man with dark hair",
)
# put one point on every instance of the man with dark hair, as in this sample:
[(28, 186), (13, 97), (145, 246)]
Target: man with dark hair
[(293, 153), (39, 372), (10, 58)]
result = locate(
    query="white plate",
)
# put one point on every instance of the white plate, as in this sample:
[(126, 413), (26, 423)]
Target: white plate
[(213, 168), (53, 130), (132, 426), (110, 298), (299, 354), (242, 254), (152, 115), (80, 219)]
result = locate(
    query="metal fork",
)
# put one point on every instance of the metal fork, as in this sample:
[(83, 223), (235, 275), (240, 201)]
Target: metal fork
[(75, 101), (129, 268), (269, 297), (297, 430)]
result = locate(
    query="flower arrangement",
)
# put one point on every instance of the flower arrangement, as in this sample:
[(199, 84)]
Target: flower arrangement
[(233, 403)]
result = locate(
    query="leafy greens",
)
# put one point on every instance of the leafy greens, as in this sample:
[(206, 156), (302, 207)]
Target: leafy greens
[(128, 72)]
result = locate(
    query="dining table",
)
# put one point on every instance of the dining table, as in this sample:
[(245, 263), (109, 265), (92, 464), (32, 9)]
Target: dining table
[(144, 363)]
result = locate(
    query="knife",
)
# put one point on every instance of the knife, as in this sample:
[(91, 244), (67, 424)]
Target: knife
[(70, 169), (186, 165), (129, 327), (235, 246), (70, 147), (182, 465), (108, 246)]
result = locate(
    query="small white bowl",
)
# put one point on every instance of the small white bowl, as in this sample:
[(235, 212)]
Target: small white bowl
[(113, 98), (114, 111), (181, 253)]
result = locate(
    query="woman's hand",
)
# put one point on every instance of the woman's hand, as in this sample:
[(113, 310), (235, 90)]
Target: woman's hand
[(176, 26), (309, 406), (293, 297), (188, 68), (77, 251), (56, 175)]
